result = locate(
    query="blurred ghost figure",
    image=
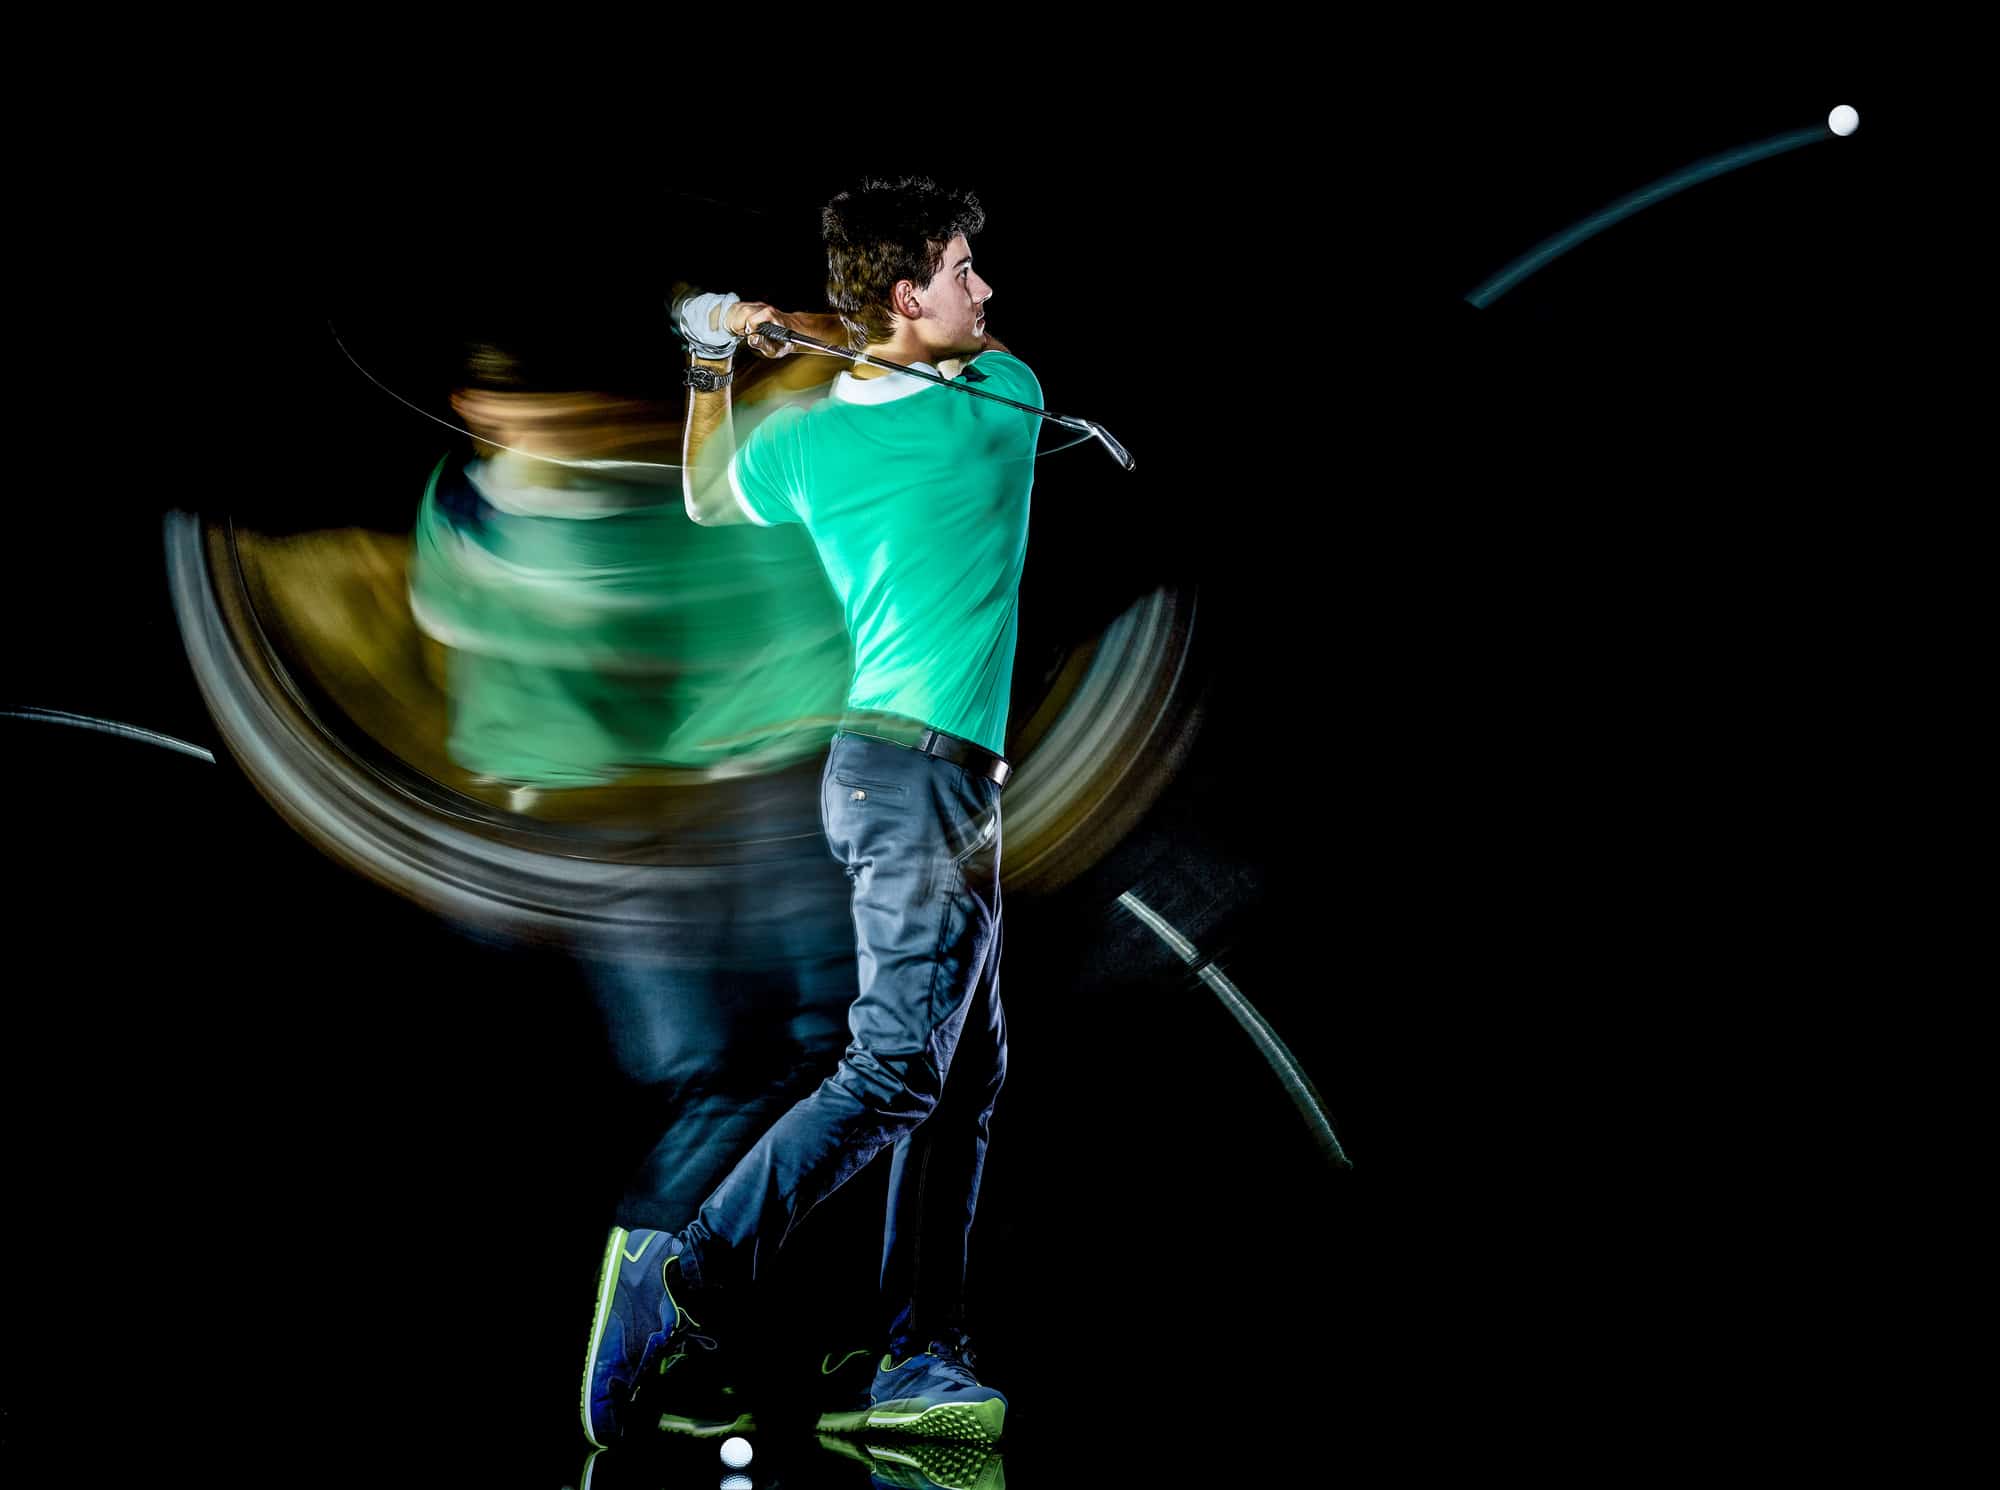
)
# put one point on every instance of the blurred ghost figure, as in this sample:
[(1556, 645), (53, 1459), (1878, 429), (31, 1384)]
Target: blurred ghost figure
[(600, 647), (589, 637)]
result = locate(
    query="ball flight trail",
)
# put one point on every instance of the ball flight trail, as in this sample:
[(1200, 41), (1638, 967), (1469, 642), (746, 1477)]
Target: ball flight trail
[(1551, 249)]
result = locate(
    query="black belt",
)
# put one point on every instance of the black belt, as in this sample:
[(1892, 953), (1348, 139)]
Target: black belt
[(913, 734)]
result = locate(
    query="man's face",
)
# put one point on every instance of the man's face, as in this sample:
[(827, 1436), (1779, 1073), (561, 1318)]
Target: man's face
[(954, 315)]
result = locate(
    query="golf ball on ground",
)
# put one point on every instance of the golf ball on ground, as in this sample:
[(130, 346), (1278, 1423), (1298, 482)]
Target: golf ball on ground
[(736, 1452), (1843, 120)]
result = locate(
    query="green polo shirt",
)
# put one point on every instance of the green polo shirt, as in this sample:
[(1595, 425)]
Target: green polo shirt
[(916, 497)]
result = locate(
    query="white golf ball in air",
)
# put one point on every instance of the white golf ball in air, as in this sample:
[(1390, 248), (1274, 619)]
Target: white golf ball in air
[(736, 1452), (1843, 120)]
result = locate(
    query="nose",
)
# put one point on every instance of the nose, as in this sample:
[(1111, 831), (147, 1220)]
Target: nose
[(981, 291)]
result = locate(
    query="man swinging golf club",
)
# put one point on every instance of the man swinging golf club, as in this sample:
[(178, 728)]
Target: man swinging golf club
[(916, 498)]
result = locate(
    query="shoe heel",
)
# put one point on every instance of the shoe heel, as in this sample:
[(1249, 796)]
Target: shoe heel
[(607, 1290)]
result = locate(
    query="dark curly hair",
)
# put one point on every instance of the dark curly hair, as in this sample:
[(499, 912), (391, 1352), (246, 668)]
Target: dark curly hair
[(889, 229)]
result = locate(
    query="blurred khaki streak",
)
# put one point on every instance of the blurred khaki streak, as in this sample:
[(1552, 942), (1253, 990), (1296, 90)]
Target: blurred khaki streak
[(337, 603)]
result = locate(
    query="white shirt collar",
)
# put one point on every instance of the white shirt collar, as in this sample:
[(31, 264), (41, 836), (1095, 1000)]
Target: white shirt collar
[(508, 484), (886, 389)]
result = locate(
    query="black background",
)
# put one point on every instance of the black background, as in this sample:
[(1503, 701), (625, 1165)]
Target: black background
[(1537, 639)]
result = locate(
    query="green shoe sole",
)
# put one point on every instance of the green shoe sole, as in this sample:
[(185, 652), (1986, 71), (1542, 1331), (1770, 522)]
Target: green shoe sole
[(607, 1288), (697, 1428), (939, 1464), (970, 1421)]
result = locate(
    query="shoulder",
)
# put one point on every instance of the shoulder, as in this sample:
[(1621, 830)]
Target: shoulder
[(1003, 372), (781, 429), (786, 416)]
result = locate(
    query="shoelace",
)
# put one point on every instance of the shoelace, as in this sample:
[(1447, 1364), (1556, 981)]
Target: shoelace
[(956, 1354), (684, 1341)]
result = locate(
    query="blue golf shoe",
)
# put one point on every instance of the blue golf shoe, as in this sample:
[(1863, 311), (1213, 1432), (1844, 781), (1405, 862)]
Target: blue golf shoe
[(637, 1329), (935, 1394)]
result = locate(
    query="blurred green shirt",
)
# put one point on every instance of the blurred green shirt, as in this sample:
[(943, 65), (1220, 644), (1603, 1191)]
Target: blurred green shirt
[(595, 631)]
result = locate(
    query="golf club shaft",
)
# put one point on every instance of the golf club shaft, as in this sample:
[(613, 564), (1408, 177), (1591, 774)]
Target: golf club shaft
[(774, 331)]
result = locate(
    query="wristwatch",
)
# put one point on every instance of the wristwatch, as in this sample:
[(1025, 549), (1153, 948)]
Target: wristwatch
[(707, 379)]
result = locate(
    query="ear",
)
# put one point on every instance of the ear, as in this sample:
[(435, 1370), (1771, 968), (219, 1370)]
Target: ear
[(904, 300)]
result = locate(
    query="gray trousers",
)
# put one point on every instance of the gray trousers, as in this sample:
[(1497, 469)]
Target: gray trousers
[(919, 839)]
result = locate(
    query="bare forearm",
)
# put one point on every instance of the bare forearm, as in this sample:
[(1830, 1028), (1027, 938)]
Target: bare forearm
[(708, 443)]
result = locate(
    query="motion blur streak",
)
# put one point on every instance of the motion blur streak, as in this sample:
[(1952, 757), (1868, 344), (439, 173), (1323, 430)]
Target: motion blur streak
[(112, 727), (336, 706), (1297, 1086)]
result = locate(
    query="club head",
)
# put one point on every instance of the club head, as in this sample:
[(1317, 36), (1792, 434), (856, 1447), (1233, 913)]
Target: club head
[(1118, 452)]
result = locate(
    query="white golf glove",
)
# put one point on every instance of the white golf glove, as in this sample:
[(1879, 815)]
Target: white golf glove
[(703, 323)]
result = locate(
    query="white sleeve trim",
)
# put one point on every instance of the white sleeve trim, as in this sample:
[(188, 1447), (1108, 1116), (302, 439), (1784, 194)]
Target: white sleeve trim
[(736, 491)]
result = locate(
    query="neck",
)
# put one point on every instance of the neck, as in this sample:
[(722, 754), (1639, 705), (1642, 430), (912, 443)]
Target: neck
[(526, 468), (903, 347)]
